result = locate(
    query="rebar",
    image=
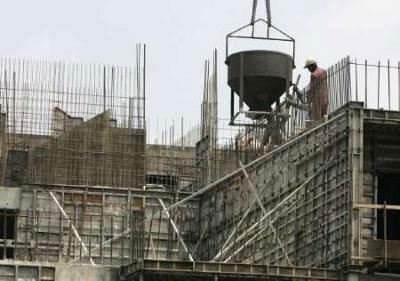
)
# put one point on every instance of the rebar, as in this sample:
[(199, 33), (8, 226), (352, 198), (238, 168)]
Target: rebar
[(80, 124)]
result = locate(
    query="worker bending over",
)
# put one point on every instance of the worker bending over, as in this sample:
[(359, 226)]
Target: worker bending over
[(316, 96)]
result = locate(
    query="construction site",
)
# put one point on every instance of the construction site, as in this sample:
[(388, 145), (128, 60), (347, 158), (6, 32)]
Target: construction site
[(271, 192)]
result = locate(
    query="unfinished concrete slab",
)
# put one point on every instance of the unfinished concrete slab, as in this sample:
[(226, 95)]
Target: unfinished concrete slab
[(178, 270)]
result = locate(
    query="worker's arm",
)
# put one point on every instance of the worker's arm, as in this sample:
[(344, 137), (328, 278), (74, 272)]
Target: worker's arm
[(301, 94), (294, 100), (302, 106)]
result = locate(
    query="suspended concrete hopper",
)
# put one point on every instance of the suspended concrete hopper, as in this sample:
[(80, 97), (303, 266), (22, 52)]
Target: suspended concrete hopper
[(266, 76)]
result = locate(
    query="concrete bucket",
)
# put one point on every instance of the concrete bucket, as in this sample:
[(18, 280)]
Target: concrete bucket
[(266, 76)]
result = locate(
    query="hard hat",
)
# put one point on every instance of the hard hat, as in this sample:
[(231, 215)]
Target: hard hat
[(310, 61)]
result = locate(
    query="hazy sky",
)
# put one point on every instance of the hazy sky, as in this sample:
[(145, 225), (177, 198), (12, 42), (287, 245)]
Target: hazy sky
[(181, 34)]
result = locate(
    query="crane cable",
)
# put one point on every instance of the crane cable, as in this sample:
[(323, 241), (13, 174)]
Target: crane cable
[(268, 8), (268, 12), (253, 15)]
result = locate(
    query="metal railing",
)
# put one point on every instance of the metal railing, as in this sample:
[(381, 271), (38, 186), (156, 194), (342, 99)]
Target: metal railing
[(377, 85)]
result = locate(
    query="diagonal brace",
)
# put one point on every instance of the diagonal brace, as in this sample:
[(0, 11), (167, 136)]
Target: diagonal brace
[(175, 229), (71, 225), (252, 188), (230, 237), (280, 204)]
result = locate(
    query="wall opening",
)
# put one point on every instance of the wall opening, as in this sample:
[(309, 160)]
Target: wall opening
[(7, 233), (389, 192), (165, 180)]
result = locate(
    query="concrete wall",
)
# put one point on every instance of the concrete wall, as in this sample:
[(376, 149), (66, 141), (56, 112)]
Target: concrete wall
[(28, 271), (43, 234), (86, 273), (94, 152), (381, 136), (330, 176), (91, 153), (327, 171), (310, 229), (320, 225), (161, 241), (63, 122), (177, 162)]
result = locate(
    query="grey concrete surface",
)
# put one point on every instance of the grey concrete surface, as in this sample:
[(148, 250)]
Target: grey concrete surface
[(86, 273)]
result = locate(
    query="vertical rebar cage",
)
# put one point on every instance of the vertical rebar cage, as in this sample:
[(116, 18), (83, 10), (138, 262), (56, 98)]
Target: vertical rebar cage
[(68, 123)]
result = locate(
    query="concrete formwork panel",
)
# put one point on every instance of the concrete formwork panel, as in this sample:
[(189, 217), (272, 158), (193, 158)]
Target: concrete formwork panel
[(43, 233), (381, 160), (310, 229), (116, 226), (313, 201)]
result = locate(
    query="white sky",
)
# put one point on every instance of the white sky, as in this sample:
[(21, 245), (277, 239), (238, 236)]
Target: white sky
[(181, 34)]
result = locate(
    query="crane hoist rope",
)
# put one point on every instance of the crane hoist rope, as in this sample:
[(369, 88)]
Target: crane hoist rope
[(253, 15), (267, 8)]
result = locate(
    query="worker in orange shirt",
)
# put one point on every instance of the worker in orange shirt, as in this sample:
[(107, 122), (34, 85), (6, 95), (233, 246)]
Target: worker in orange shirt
[(316, 96)]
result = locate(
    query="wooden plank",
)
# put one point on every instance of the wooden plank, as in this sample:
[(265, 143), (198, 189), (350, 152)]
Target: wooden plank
[(376, 206)]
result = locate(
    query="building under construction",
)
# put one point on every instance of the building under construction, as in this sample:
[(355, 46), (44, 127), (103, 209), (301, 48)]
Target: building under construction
[(267, 194)]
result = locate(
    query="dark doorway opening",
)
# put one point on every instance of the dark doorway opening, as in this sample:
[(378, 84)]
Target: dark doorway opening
[(165, 180), (7, 232), (389, 192)]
